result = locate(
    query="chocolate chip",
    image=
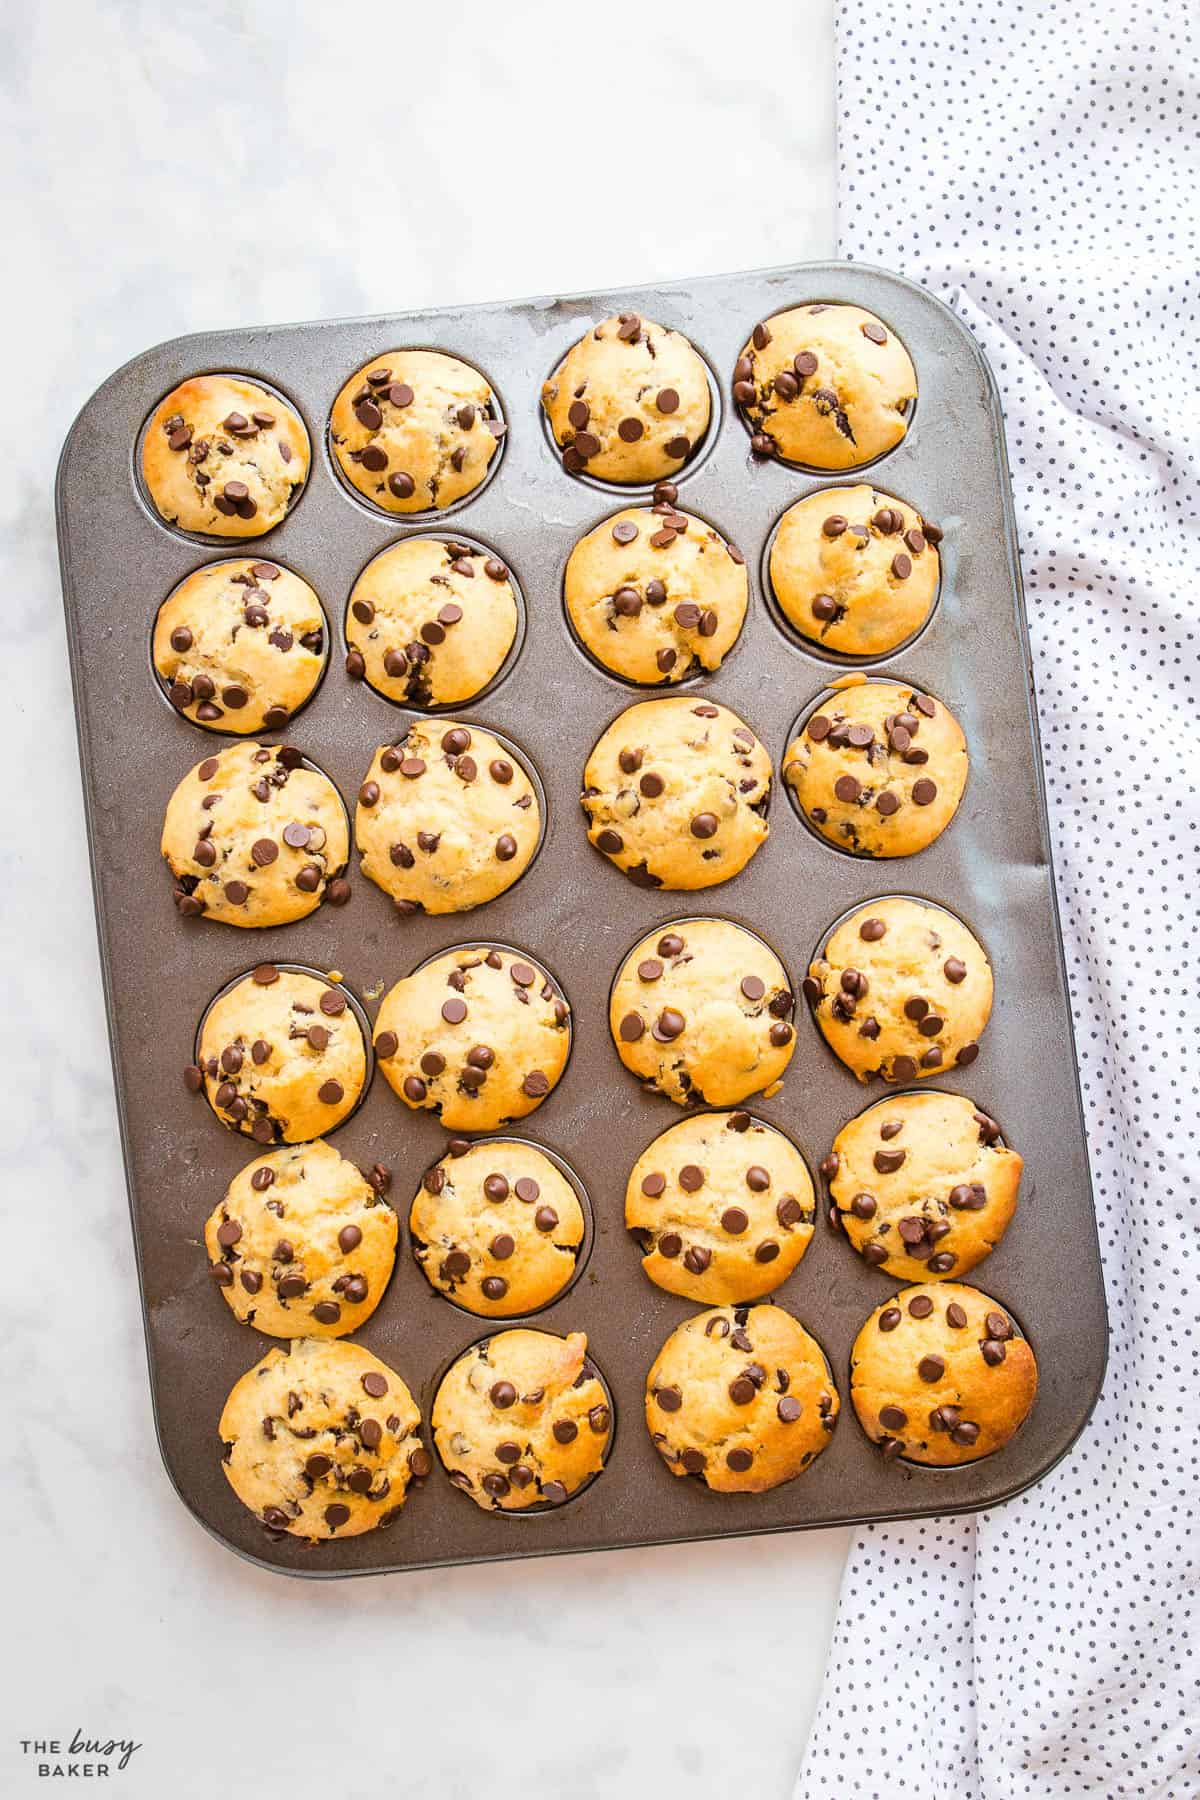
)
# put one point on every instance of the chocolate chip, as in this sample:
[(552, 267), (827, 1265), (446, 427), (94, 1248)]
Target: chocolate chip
[(920, 1306), (876, 333), (924, 792), (931, 1368)]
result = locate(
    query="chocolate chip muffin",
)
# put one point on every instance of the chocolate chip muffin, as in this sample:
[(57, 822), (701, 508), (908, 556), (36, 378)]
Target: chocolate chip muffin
[(303, 1245), (415, 430), (497, 1227), (830, 387), (855, 570), (479, 1036), (223, 456), (447, 819), (629, 402), (878, 769), (922, 1185), (701, 1012), (903, 991), (723, 1208), (522, 1420), (322, 1440), (675, 793), (429, 622), (742, 1398), (281, 1056), (655, 594), (940, 1374), (255, 838), (239, 646)]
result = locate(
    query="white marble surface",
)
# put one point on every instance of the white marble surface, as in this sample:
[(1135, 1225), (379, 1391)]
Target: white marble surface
[(168, 169)]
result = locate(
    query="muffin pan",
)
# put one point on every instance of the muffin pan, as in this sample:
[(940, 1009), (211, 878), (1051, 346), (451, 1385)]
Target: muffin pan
[(573, 911)]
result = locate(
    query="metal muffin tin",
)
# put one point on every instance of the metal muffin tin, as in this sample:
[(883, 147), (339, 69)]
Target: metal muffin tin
[(573, 911)]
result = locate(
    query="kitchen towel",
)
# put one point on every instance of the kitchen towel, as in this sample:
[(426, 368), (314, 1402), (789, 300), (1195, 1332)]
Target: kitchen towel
[(1038, 167)]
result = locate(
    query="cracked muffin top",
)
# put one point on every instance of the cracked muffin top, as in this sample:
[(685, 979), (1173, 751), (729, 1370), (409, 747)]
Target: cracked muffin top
[(224, 456), (415, 430), (281, 1056), (239, 645), (827, 386), (522, 1420), (322, 1440), (430, 621), (256, 838), (741, 1398)]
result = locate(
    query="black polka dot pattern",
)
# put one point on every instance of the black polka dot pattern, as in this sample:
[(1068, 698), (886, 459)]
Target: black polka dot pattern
[(1037, 166)]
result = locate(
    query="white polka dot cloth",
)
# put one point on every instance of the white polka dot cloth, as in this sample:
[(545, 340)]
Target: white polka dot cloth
[(1038, 166)]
